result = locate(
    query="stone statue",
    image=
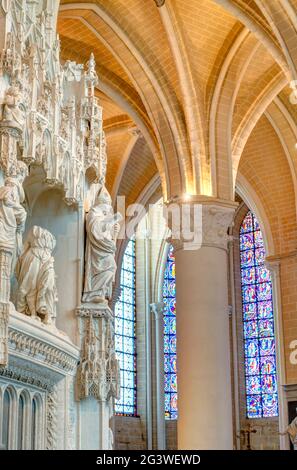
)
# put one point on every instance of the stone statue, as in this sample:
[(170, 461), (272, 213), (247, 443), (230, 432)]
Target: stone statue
[(292, 431), (11, 111), (12, 224), (102, 228), (37, 293), (12, 213)]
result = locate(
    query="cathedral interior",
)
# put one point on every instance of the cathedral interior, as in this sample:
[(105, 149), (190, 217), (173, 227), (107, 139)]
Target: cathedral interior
[(148, 224)]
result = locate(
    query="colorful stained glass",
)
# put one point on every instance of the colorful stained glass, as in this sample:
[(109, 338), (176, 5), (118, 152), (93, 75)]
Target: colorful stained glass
[(247, 258), (254, 406), (249, 311), (258, 324), (268, 384), (265, 327), (267, 346), (265, 309), (166, 363), (170, 337), (125, 343), (250, 329), (267, 365), (253, 385), (249, 293), (246, 241), (259, 256), (247, 224), (252, 366), (248, 276), (262, 274), (270, 405), (251, 348), (264, 291)]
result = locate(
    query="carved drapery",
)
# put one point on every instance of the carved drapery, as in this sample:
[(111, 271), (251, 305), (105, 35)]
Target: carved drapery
[(37, 292)]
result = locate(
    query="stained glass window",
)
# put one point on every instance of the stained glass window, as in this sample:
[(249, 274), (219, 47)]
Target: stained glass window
[(170, 338), (258, 323), (125, 342)]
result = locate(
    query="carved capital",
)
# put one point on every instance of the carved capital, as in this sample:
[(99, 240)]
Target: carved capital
[(215, 223), (157, 309), (199, 222), (135, 131)]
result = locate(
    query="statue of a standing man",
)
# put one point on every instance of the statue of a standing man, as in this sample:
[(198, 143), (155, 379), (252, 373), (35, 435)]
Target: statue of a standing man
[(100, 266)]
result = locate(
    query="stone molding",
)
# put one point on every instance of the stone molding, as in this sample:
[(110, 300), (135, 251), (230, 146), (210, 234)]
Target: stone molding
[(27, 374), (32, 347), (100, 310), (34, 341), (157, 309)]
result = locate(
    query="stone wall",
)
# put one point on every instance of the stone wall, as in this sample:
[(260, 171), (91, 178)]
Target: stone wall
[(128, 433)]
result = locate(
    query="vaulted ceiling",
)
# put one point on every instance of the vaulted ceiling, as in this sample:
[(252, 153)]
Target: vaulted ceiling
[(184, 86)]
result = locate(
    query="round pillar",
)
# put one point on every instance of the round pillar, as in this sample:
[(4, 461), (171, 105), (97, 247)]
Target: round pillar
[(203, 344)]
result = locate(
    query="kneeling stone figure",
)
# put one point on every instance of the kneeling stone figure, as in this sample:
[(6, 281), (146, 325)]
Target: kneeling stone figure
[(37, 292)]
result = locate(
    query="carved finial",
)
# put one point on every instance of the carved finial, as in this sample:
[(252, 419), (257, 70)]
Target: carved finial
[(92, 76)]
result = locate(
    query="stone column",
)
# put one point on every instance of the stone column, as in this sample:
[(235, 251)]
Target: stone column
[(203, 343), (157, 311), (274, 267)]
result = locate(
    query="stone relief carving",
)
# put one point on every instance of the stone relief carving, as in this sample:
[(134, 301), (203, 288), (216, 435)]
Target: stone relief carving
[(195, 224), (12, 224), (49, 116), (32, 347), (102, 227), (98, 374), (12, 213), (37, 292), (90, 370), (30, 375), (51, 419), (98, 371), (215, 223)]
